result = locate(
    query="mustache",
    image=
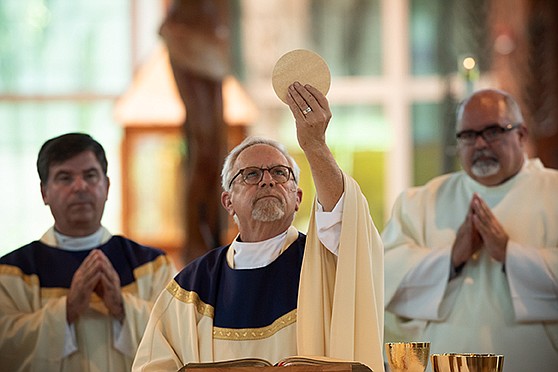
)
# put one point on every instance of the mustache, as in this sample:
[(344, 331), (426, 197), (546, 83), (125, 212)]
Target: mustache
[(264, 198), (484, 153), (266, 193)]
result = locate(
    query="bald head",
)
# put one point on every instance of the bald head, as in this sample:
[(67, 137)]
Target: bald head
[(499, 102), (491, 136)]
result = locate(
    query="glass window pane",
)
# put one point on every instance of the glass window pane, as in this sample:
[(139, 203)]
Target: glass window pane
[(62, 47), (443, 32), (347, 34), (423, 36), (428, 145), (359, 138)]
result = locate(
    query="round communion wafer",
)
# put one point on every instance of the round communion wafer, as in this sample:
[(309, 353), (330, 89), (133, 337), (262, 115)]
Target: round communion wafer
[(303, 66)]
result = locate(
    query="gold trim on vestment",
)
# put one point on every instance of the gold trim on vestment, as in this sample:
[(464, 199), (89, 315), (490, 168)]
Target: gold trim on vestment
[(151, 266), (190, 297), (10, 270), (246, 334), (145, 269)]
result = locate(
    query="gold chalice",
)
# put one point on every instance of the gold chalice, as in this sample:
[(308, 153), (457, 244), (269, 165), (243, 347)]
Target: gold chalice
[(453, 362), (407, 356)]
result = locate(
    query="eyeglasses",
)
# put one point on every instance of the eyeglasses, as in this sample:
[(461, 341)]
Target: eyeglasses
[(253, 175), (491, 133)]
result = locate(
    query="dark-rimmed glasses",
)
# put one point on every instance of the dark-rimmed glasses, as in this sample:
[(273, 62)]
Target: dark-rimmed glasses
[(253, 175), (490, 133)]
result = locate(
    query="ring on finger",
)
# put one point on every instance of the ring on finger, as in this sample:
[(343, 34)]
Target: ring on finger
[(307, 110)]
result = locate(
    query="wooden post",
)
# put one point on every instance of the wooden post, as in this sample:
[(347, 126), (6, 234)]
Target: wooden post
[(197, 35)]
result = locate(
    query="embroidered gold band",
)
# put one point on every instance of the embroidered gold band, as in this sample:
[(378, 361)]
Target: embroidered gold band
[(191, 298), (241, 334)]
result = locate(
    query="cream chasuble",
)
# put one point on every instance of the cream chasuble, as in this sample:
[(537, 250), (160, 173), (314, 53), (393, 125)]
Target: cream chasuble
[(339, 312), (34, 281)]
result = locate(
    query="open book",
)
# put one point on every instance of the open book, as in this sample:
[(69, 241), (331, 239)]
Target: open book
[(327, 364)]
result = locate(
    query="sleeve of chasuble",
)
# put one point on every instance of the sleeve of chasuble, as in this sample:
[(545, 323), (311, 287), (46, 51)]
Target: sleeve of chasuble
[(341, 296), (180, 329), (151, 280), (416, 275), (531, 263), (32, 330), (533, 279)]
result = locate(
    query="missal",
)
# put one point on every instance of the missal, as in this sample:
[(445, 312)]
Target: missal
[(296, 364)]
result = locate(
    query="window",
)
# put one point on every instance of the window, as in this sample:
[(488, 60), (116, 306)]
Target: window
[(62, 65)]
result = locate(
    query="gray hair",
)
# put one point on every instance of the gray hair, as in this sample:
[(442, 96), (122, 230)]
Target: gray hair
[(230, 160), (512, 106)]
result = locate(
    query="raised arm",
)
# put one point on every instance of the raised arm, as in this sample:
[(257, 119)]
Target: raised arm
[(310, 109)]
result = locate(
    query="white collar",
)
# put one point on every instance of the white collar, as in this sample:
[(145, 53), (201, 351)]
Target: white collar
[(253, 255), (55, 239)]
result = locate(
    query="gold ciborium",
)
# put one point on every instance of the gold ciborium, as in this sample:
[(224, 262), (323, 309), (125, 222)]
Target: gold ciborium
[(453, 362), (407, 356)]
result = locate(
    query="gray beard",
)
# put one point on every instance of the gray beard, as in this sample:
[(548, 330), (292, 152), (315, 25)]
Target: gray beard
[(485, 168), (268, 210)]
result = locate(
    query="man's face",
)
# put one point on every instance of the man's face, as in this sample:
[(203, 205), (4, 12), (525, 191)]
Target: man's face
[(490, 162), (267, 201), (76, 192)]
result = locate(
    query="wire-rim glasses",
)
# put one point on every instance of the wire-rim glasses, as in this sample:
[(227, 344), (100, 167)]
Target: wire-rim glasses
[(254, 175), (490, 133)]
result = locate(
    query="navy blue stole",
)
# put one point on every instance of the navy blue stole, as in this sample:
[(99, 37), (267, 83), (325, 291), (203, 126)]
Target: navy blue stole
[(55, 267), (246, 298)]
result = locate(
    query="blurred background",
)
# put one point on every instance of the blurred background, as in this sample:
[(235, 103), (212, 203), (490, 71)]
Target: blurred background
[(399, 67)]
